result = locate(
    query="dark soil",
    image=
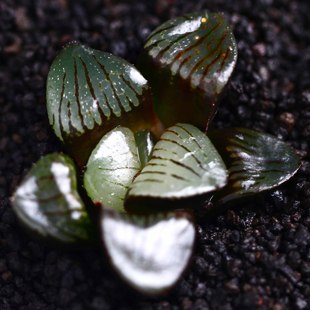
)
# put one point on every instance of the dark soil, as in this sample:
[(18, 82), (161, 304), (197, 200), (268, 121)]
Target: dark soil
[(255, 255)]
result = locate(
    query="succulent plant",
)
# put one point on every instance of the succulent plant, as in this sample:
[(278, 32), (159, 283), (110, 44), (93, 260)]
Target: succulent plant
[(149, 252), (111, 168), (188, 61), (256, 162), (90, 92), (101, 107), (47, 201), (183, 165)]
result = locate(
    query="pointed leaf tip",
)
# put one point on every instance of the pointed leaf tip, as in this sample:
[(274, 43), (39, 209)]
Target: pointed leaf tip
[(111, 168)]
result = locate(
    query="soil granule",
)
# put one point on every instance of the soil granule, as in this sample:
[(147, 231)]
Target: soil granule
[(254, 255)]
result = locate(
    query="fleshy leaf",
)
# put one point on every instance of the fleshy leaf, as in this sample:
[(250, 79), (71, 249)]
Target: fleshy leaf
[(145, 144), (183, 164), (256, 161), (149, 252), (111, 168), (48, 203), (188, 60), (90, 92)]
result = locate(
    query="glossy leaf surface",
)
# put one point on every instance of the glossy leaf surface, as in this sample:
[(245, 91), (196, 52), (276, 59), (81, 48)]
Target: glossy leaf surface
[(90, 92), (184, 163), (256, 161), (111, 168), (150, 253), (48, 203), (145, 143), (188, 60)]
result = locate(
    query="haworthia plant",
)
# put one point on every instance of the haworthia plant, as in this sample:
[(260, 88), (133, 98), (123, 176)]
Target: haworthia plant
[(149, 252), (90, 92), (256, 162), (183, 164), (188, 60), (48, 203), (111, 168)]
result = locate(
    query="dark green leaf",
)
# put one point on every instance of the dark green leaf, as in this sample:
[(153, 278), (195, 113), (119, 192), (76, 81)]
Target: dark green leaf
[(188, 60), (47, 201), (111, 168), (145, 144), (150, 253), (183, 164), (90, 92), (256, 161)]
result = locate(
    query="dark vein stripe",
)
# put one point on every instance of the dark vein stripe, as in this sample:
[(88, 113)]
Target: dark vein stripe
[(111, 84), (158, 31), (211, 64), (184, 61), (178, 164), (237, 146), (249, 134), (164, 150), (88, 80), (238, 143), (71, 127), (202, 38), (201, 60), (153, 172), (129, 85), (106, 105), (164, 173), (208, 56), (227, 52), (198, 64), (77, 93), (129, 101), (184, 52), (147, 180), (161, 52), (185, 167), (174, 132), (191, 135), (156, 164), (186, 149), (180, 178), (61, 102), (152, 45), (116, 95)]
